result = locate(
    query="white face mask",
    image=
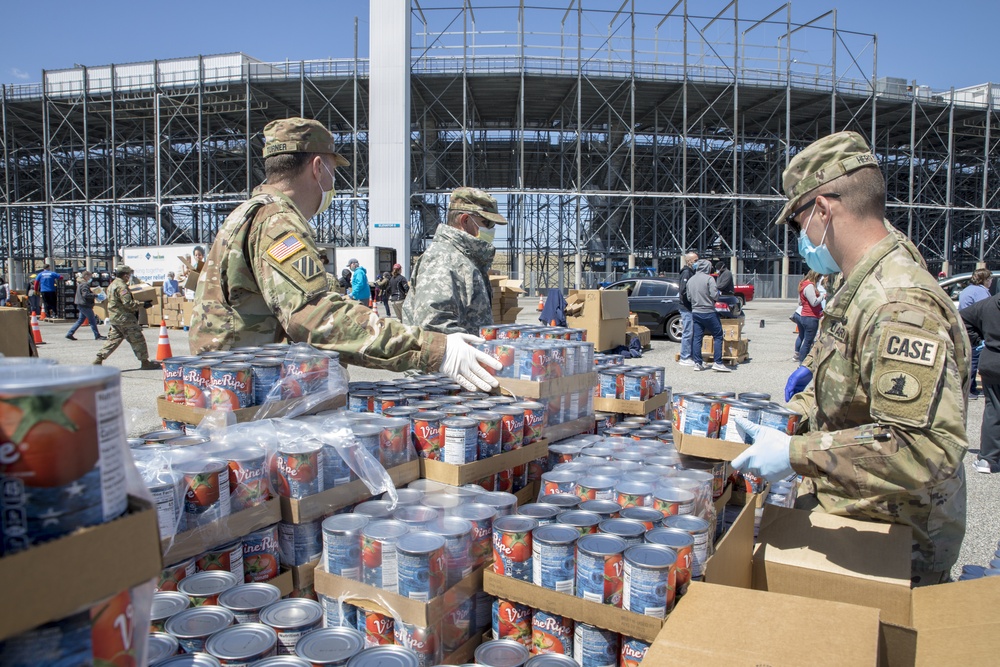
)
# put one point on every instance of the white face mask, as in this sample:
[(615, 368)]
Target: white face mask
[(487, 234), (328, 195)]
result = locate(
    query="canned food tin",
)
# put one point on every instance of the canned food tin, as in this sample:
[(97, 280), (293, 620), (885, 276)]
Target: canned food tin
[(627, 529), (611, 383), (559, 481), (650, 580), (458, 535), (599, 568), (671, 500), (226, 557), (173, 574), (369, 437), (648, 516), (304, 371), (542, 513), (330, 646), (489, 441), (633, 651), (173, 378), (160, 646), (342, 544), (779, 418), (636, 386), (206, 495), (427, 436), (503, 652), (633, 494), (361, 400), (231, 386), (512, 546), (730, 411), (535, 418), (595, 488), (261, 555), (338, 613), (376, 509), (511, 621), (394, 441), (165, 605), (511, 427), (415, 516), (551, 633), (461, 440), (422, 567), (423, 641), (192, 627), (698, 528), (246, 600), (553, 557), (457, 625), (595, 647), (266, 375), (563, 453), (198, 382), (378, 553), (564, 501), (386, 400), (247, 478), (168, 492), (299, 468), (377, 628), (481, 518), (300, 543), (504, 502), (702, 416), (204, 588), (607, 509), (242, 645), (291, 619), (192, 660)]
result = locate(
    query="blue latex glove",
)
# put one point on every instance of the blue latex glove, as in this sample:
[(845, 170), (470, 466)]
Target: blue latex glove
[(797, 381), (767, 457)]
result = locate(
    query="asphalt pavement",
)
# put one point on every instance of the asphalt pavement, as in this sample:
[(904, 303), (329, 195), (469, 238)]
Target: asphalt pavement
[(767, 326)]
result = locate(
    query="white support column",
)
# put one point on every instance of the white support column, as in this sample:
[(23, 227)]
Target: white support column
[(389, 129)]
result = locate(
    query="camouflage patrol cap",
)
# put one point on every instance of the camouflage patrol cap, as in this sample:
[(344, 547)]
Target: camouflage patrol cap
[(300, 135), (123, 269), (821, 162), (476, 201)]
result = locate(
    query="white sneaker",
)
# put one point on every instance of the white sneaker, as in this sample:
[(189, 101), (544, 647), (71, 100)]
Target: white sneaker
[(983, 466), (686, 362), (700, 367), (721, 368)]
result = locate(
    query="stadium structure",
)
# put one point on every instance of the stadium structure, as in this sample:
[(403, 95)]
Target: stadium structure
[(613, 137)]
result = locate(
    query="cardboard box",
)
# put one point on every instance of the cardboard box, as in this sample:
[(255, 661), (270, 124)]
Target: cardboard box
[(707, 448), (310, 508), (186, 311), (528, 494), (604, 315), (732, 329), (188, 415), (731, 349), (633, 320), (732, 568), (409, 611), (547, 388), (304, 576), (644, 335), (285, 582), (457, 475), (144, 293), (757, 628), (631, 407), (16, 339), (53, 580), (955, 624), (198, 540)]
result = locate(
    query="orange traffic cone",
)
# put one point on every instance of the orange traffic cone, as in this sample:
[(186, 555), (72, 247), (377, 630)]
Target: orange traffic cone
[(35, 331), (163, 350), (541, 303), (42, 316)]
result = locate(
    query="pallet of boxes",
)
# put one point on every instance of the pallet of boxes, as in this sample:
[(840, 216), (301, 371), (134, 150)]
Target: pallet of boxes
[(177, 311), (505, 295), (603, 314), (735, 348)]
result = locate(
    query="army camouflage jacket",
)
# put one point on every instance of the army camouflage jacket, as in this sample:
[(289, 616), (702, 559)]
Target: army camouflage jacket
[(264, 280), (450, 285), (884, 429), (122, 307)]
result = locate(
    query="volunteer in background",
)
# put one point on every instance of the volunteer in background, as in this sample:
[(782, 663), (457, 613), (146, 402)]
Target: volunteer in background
[(360, 289), (724, 280), (883, 430), (84, 300), (977, 290), (4, 292), (982, 322), (702, 292), (123, 312), (397, 290), (810, 310), (345, 281), (687, 321), (170, 285), (382, 290), (47, 282), (450, 283), (264, 279)]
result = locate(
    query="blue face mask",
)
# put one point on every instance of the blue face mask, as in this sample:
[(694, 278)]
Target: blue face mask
[(818, 258)]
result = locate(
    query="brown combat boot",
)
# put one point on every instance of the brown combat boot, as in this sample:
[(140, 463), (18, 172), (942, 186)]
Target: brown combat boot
[(149, 365)]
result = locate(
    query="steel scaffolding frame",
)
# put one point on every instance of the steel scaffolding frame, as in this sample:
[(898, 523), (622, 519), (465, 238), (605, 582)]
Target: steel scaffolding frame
[(612, 137)]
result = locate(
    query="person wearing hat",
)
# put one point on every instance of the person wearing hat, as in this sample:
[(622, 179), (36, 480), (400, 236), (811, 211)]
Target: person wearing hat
[(882, 435), (450, 282), (397, 290), (265, 281), (360, 289), (123, 312)]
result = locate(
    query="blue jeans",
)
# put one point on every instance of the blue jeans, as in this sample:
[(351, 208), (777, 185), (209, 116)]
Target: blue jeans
[(707, 323), (974, 388), (808, 326), (687, 332), (85, 314)]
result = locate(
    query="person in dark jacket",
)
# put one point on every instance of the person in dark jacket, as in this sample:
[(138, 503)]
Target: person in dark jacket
[(382, 291), (724, 280), (982, 322), (84, 301), (345, 281), (687, 321), (398, 288)]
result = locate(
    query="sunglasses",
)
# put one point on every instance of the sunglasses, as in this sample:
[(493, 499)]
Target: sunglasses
[(790, 218), (483, 222)]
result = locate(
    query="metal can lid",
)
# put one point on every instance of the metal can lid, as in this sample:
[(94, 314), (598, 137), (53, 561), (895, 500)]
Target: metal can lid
[(201, 466), (345, 524), (415, 514), (601, 544), (539, 511), (282, 661), (689, 522), (420, 542), (161, 435), (188, 441), (459, 422), (498, 499), (626, 527), (563, 500), (529, 405), (189, 660), (333, 646), (363, 429), (292, 613), (474, 511), (673, 494), (232, 366), (597, 482), (651, 556), (642, 514), (555, 533), (160, 645), (580, 518), (406, 496), (551, 660), (242, 642), (199, 622), (445, 501), (674, 538), (244, 453), (558, 476), (43, 379), (644, 476), (450, 526), (502, 653), (250, 597), (207, 583), (484, 415), (386, 655), (300, 447), (168, 603), (601, 506), (514, 523), (385, 529), (376, 509)]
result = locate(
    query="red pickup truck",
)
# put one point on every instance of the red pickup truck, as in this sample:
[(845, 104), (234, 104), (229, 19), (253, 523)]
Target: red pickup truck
[(743, 293)]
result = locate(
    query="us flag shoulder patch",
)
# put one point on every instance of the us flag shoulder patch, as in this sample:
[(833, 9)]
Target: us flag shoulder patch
[(286, 247)]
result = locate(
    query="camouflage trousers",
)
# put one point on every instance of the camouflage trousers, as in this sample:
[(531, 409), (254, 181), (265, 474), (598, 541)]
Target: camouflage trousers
[(130, 332)]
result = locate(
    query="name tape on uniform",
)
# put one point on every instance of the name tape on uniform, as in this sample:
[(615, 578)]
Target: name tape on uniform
[(910, 349)]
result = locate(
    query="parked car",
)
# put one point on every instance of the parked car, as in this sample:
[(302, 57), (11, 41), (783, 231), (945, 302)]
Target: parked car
[(657, 301), (953, 285)]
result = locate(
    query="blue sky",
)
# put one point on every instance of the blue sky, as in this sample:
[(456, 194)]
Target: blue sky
[(938, 45)]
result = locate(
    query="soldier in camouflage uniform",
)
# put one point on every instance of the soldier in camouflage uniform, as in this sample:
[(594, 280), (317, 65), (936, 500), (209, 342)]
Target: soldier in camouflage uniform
[(264, 279), (883, 435), (123, 312), (450, 286)]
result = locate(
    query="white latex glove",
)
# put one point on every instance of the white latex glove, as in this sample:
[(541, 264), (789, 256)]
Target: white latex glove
[(464, 363), (768, 456)]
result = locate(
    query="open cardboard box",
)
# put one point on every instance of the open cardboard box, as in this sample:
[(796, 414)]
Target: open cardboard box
[(730, 565), (15, 333), (622, 406), (310, 508), (53, 580), (707, 448), (201, 539), (604, 315), (468, 473), (189, 415), (755, 628), (530, 389)]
